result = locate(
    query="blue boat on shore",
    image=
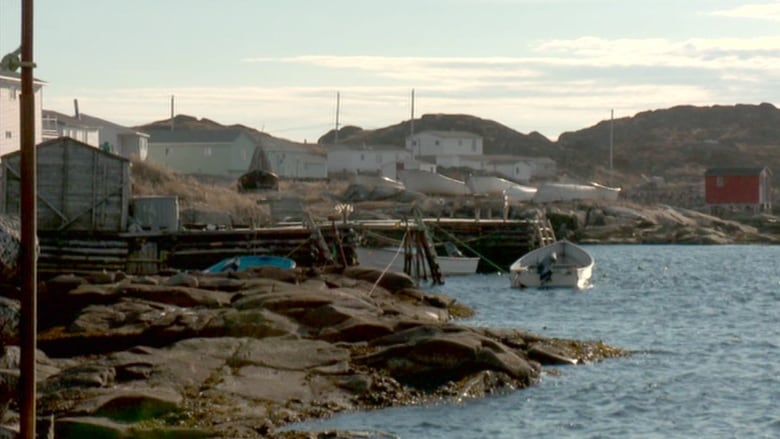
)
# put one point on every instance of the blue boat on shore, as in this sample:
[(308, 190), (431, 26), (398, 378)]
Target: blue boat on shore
[(239, 263)]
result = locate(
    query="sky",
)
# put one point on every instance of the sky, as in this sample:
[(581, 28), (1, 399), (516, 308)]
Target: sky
[(549, 66)]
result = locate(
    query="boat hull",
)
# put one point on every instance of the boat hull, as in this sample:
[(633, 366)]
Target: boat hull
[(240, 263), (393, 260), (573, 268)]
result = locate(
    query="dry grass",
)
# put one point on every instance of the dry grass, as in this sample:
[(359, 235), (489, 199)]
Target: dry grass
[(210, 195), (153, 179)]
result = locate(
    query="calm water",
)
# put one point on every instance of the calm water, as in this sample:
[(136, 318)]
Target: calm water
[(704, 322)]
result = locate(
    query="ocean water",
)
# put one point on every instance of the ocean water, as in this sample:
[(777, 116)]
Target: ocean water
[(703, 323)]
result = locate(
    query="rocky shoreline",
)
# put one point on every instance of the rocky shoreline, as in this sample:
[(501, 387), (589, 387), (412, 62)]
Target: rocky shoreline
[(190, 355)]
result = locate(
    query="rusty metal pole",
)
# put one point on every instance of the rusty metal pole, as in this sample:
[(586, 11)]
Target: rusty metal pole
[(29, 223)]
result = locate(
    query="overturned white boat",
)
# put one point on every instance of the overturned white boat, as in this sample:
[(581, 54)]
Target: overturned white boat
[(432, 183), (560, 264), (519, 193), (550, 192), (488, 184)]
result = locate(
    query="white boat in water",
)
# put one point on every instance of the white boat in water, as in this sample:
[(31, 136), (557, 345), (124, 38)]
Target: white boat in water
[(560, 264), (392, 259), (432, 183)]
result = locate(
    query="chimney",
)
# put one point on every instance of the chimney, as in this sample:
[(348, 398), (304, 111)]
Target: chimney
[(76, 109)]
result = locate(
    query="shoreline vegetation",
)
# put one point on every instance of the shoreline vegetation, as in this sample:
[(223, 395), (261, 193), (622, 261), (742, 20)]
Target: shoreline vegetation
[(185, 354)]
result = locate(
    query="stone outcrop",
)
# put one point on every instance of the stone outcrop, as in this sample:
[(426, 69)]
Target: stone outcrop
[(193, 355)]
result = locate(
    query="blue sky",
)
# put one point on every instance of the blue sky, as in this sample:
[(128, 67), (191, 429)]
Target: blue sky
[(534, 65)]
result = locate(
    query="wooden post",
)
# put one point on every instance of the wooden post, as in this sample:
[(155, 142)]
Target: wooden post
[(29, 226)]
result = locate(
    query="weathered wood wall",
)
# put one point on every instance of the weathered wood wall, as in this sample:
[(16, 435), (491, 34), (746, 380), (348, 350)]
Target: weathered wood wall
[(80, 188)]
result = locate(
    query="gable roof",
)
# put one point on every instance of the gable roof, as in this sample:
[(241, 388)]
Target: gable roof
[(755, 170), (92, 120), (225, 135), (86, 121)]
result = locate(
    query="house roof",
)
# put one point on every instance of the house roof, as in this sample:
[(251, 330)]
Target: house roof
[(66, 120), (87, 121), (16, 77), (736, 171), (92, 120), (225, 135), (451, 134)]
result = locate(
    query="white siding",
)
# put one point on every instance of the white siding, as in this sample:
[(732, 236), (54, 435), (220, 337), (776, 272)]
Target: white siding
[(348, 160), (435, 143), (10, 130)]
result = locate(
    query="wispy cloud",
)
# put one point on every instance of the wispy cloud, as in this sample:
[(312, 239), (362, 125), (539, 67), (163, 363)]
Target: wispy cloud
[(559, 85), (756, 11)]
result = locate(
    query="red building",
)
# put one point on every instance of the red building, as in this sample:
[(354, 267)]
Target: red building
[(738, 188)]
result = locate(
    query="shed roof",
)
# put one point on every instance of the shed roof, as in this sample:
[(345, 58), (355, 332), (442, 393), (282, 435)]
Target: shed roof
[(66, 141), (754, 170)]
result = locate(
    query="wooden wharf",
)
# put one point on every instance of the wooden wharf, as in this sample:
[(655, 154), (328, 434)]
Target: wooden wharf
[(499, 242)]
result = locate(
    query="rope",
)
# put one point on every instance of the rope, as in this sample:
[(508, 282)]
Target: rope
[(471, 249), (397, 252)]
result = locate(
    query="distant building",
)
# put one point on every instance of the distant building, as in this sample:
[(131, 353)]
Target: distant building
[(217, 152), (10, 130), (444, 143), (738, 188), (291, 160), (381, 159), (100, 133)]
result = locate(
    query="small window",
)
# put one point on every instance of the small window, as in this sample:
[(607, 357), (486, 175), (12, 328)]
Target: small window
[(12, 94), (436, 143), (362, 157), (9, 135), (719, 181), (207, 151)]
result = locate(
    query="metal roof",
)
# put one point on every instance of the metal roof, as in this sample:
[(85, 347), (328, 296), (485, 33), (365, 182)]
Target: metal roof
[(226, 135), (755, 170)]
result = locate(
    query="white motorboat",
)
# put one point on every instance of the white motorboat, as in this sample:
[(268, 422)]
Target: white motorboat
[(392, 259), (560, 264)]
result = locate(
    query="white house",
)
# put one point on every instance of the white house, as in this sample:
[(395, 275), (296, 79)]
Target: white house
[(10, 92), (441, 143), (221, 152), (289, 159), (121, 140), (382, 159), (57, 125)]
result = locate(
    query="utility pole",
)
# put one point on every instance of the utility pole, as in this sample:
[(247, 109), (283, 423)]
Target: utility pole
[(611, 141), (29, 225), (338, 104)]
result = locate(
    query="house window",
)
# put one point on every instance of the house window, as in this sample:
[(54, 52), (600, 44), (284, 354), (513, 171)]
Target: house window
[(436, 143), (12, 94), (207, 151), (362, 157), (9, 135), (719, 181), (473, 148)]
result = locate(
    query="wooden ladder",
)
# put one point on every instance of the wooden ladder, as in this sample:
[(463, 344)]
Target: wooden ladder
[(545, 232)]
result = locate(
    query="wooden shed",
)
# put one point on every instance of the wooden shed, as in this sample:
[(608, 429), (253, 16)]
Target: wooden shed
[(80, 188), (738, 187)]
